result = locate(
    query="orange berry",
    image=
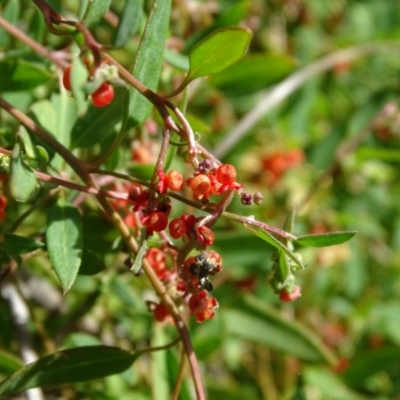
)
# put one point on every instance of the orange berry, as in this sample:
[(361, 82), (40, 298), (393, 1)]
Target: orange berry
[(200, 185), (226, 174), (174, 180)]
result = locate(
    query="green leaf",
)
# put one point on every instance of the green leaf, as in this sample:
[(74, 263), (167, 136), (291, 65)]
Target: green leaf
[(137, 264), (91, 264), (21, 75), (95, 10), (68, 366), (372, 153), (79, 76), (98, 123), (149, 59), (26, 141), (10, 13), (64, 242), (325, 239), (141, 171), (67, 113), (288, 226), (9, 363), (271, 239), (17, 245), (253, 73), (255, 321), (232, 16), (45, 114), (23, 183), (129, 22), (218, 51)]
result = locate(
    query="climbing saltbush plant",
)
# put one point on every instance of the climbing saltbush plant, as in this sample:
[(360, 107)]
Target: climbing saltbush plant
[(122, 193)]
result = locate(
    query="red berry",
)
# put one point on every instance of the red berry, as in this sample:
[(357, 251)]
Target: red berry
[(156, 258), (177, 228), (286, 296), (160, 312), (174, 180), (135, 192), (103, 96), (198, 303), (205, 235), (67, 78), (158, 221), (226, 174)]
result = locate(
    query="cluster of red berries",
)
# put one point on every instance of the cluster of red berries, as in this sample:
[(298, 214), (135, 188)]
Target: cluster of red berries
[(208, 181), (195, 273), (101, 97), (189, 288), (187, 283), (155, 212)]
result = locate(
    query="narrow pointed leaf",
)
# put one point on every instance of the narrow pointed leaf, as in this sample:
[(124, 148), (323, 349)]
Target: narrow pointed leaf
[(68, 366), (95, 10), (17, 245), (64, 242), (99, 123), (129, 22), (218, 51), (271, 239), (288, 226), (23, 183), (325, 239), (149, 59)]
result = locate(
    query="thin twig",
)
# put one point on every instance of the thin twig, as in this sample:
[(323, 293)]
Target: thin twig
[(179, 378), (35, 46)]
